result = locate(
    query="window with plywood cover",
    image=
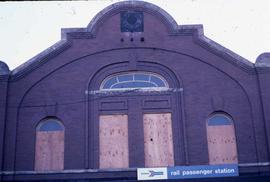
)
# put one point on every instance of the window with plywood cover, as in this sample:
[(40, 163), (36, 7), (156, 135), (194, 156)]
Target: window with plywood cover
[(158, 141), (49, 152), (113, 141), (221, 140)]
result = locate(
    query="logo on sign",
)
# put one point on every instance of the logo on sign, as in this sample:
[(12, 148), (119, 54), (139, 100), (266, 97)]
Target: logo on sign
[(152, 173)]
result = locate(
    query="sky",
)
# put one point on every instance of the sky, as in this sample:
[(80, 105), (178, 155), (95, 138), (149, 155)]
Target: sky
[(28, 28)]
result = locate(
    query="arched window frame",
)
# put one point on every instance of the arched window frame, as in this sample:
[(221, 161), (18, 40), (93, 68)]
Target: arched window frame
[(45, 120), (50, 146), (232, 125), (149, 74), (224, 114)]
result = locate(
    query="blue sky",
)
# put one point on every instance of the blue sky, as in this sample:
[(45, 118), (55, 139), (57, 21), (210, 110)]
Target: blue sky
[(27, 28)]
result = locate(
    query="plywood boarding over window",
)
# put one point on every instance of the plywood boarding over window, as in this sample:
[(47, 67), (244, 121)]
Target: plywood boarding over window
[(158, 141), (49, 150), (221, 144), (113, 138)]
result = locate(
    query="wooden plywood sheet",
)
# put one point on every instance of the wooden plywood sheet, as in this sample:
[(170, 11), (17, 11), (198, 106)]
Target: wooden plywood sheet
[(221, 144), (49, 151), (113, 141), (158, 141)]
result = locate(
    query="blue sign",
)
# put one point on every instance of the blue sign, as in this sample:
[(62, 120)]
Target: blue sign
[(185, 172), (203, 171)]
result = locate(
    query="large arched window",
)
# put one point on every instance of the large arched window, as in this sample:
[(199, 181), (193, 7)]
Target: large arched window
[(221, 139), (115, 139), (49, 153), (133, 80)]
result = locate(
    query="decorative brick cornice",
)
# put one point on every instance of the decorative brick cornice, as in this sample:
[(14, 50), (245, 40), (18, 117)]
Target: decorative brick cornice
[(135, 5), (223, 52), (39, 59), (173, 30)]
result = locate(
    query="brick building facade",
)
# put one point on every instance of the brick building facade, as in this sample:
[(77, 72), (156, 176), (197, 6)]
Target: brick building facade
[(133, 89)]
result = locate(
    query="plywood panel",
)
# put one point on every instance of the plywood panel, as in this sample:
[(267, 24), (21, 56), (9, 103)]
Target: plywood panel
[(113, 141), (49, 150), (221, 144), (158, 141)]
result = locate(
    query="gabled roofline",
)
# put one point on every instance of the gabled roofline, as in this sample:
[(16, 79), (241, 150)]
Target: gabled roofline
[(92, 28), (40, 58), (222, 51)]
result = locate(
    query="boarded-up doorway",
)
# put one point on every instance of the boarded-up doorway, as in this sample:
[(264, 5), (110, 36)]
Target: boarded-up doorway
[(158, 142), (113, 141), (49, 155), (221, 140)]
